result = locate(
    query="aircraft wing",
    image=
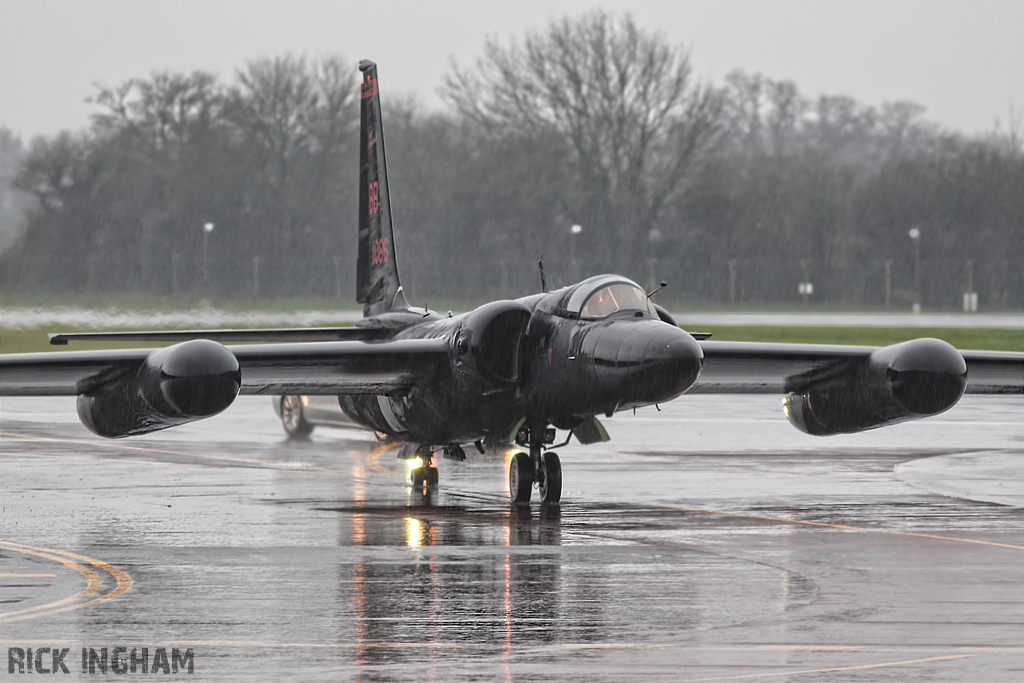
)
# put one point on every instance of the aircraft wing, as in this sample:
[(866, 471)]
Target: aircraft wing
[(327, 368), (331, 368), (286, 334), (767, 368)]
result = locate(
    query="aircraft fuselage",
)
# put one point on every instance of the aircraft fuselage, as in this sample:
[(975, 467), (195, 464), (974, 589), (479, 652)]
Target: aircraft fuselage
[(530, 359)]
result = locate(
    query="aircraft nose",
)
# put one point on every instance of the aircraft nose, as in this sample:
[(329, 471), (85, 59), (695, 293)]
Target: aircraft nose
[(672, 360)]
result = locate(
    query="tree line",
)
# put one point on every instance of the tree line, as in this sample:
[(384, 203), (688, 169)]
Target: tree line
[(589, 144)]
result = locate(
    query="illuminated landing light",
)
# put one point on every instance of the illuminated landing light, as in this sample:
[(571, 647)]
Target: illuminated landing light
[(414, 463), (509, 454), (305, 400)]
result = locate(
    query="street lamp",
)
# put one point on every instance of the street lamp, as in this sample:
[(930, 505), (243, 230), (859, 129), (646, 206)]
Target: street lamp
[(573, 231), (806, 287), (654, 239), (207, 229), (915, 235)]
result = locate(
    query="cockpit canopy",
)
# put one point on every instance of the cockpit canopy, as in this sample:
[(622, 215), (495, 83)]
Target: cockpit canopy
[(600, 296)]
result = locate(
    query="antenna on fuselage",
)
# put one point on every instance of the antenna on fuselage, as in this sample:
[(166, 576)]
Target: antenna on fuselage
[(658, 289), (543, 281)]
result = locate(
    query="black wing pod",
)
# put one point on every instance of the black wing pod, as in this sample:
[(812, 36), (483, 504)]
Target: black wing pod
[(897, 383), (172, 386)]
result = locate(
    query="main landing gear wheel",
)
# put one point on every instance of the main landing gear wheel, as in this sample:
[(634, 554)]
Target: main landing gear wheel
[(426, 475), (292, 418), (551, 479), (520, 478)]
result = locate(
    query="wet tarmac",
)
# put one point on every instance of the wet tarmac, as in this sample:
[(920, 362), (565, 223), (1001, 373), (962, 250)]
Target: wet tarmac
[(709, 541)]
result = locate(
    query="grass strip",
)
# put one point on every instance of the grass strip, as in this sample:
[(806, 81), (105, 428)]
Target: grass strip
[(980, 338)]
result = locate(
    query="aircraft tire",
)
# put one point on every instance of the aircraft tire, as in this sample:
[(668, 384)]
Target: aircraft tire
[(417, 477), (551, 485), (295, 424), (520, 478), (432, 476)]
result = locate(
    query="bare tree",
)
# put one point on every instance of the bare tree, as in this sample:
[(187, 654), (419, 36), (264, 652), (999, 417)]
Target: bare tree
[(788, 107), (762, 114), (1010, 140), (841, 126), (634, 122), (272, 105), (167, 109), (288, 107), (293, 122), (745, 106), (900, 128), (54, 168)]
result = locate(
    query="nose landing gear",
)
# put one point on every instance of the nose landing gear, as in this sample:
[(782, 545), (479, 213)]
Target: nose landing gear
[(550, 484), (520, 478), (424, 474), (539, 467)]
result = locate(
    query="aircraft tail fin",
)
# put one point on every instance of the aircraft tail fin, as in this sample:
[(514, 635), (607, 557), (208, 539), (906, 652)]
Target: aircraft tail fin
[(378, 286)]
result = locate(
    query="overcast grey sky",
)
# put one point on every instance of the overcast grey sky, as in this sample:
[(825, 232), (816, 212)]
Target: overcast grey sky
[(964, 61)]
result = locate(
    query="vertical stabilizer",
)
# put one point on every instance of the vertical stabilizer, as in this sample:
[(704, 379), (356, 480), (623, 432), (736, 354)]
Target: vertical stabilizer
[(378, 287)]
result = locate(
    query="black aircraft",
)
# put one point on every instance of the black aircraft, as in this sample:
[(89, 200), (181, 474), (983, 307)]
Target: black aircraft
[(509, 371)]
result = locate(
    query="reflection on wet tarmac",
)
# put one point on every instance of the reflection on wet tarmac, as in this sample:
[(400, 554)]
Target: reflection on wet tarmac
[(442, 593)]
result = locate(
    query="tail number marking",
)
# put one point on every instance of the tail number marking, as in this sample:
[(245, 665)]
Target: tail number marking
[(374, 197), (379, 251)]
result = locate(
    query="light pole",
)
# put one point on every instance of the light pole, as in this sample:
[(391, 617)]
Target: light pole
[(575, 230), (654, 239), (805, 288), (915, 235), (207, 229)]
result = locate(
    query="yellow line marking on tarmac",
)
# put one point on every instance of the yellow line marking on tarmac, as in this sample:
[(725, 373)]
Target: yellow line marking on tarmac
[(27, 576), (94, 582), (859, 667), (144, 449), (845, 526)]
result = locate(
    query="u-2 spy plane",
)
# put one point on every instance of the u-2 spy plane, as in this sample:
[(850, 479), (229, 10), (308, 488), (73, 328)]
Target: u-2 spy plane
[(510, 371)]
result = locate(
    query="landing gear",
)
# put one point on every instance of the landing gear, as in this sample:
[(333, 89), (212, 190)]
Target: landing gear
[(520, 478), (425, 473), (539, 467), (294, 421), (422, 468), (550, 483)]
